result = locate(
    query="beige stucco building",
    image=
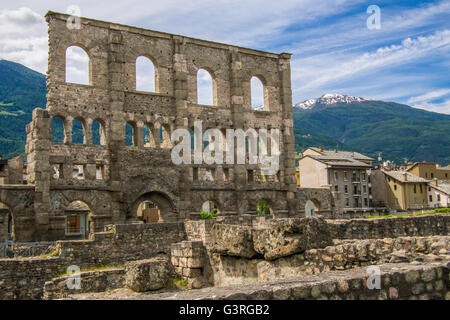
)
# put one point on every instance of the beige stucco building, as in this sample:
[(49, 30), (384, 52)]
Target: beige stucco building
[(406, 191), (429, 170), (346, 173)]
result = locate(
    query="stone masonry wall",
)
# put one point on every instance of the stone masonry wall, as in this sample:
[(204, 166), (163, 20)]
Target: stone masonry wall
[(343, 255), (25, 278), (431, 224)]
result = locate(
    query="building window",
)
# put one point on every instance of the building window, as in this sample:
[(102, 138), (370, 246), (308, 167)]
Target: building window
[(345, 175), (438, 197), (347, 202), (432, 175), (365, 202), (395, 187), (365, 189), (446, 175), (364, 176), (335, 176), (415, 189), (73, 224), (431, 198), (250, 176), (226, 174), (346, 189), (421, 190), (336, 188), (426, 174)]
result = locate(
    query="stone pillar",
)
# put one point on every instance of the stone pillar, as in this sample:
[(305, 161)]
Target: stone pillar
[(180, 76), (237, 115), (288, 131), (39, 171)]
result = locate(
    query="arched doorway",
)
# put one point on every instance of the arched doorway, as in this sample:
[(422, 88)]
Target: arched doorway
[(210, 207), (148, 212), (78, 220), (158, 203), (311, 208)]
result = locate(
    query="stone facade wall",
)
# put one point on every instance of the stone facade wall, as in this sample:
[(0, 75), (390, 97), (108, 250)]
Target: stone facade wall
[(132, 174), (25, 278)]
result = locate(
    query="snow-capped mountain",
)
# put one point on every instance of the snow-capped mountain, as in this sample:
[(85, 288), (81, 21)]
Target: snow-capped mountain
[(328, 99)]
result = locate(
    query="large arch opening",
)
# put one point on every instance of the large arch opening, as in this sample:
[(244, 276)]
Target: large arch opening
[(257, 94), (311, 208), (205, 88), (154, 207), (77, 66), (79, 221), (145, 75)]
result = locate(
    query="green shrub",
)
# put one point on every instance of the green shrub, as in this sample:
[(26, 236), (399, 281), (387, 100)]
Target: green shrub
[(442, 210), (205, 215)]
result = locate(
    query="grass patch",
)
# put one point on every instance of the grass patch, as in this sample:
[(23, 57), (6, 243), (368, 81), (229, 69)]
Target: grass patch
[(181, 283), (440, 210), (54, 253)]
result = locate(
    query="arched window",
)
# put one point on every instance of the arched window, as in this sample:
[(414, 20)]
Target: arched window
[(98, 133), (78, 134), (130, 134), (164, 135), (147, 136), (257, 93), (204, 88), (77, 65), (57, 128), (145, 75)]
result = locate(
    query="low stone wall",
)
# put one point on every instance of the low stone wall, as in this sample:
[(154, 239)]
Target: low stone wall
[(25, 278), (92, 281), (377, 228), (344, 255), (397, 282)]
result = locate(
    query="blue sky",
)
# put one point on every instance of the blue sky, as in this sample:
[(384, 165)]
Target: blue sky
[(407, 60)]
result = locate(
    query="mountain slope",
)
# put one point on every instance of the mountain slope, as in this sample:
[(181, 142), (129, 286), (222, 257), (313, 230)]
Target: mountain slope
[(21, 90), (368, 126)]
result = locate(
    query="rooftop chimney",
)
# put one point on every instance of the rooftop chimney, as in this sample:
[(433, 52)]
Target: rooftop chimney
[(321, 148), (405, 175), (435, 182)]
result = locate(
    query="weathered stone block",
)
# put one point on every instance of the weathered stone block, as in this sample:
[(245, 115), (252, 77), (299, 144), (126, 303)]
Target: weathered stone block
[(233, 240), (285, 237), (145, 275)]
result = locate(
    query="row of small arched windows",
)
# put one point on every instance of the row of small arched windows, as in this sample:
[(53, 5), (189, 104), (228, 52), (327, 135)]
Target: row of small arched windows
[(79, 136), (77, 71)]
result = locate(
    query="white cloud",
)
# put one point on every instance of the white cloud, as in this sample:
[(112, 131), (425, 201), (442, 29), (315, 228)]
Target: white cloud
[(321, 71), (23, 38)]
